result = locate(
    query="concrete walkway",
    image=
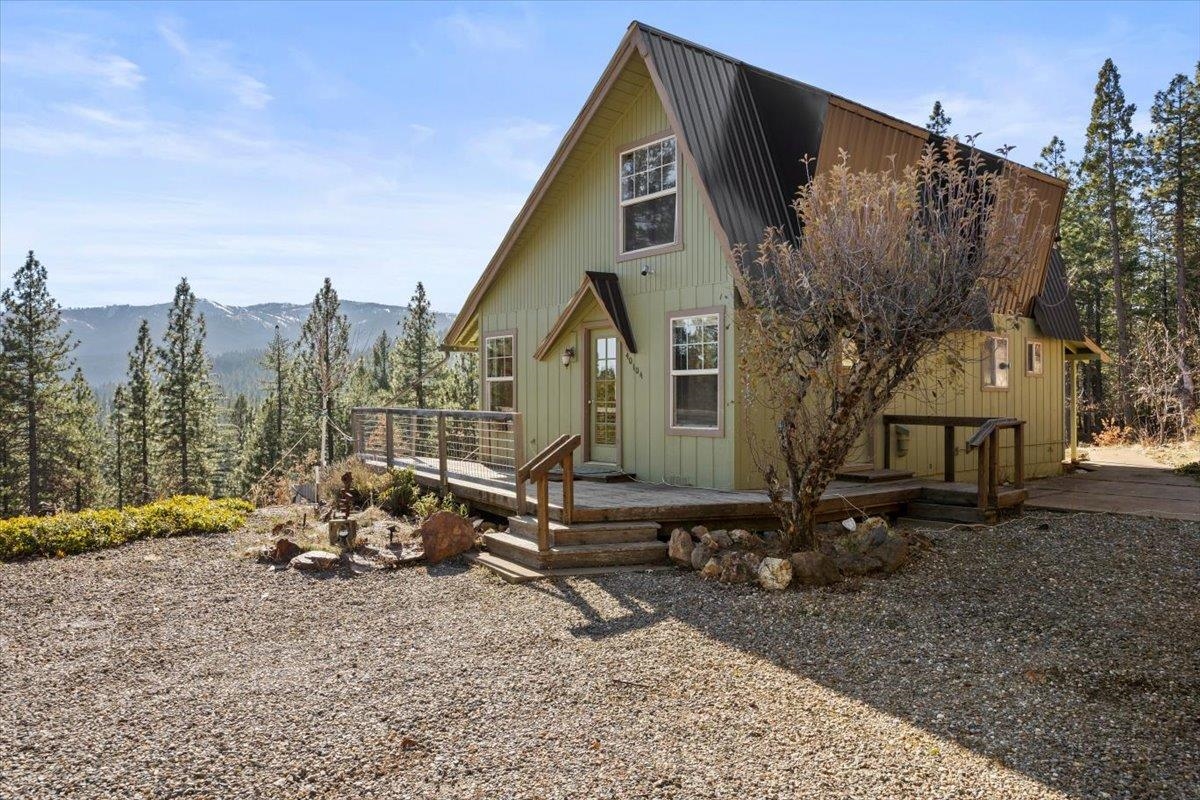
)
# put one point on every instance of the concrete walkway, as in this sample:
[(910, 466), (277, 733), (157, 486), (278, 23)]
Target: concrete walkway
[(1144, 491)]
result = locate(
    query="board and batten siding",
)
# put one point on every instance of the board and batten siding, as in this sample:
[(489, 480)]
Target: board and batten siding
[(1037, 400), (578, 232)]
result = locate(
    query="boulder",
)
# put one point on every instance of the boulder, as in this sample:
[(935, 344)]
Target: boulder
[(857, 564), (445, 534), (698, 532), (701, 554), (284, 550), (680, 548), (871, 532), (717, 540), (711, 569), (892, 554), (747, 540), (811, 568), (315, 561), (735, 568), (774, 573)]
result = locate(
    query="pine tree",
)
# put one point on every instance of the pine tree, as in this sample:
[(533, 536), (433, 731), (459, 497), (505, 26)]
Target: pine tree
[(12, 499), (381, 370), (325, 360), (416, 351), (186, 400), (36, 354), (120, 471), (458, 383), (1174, 155), (939, 122), (1110, 168), (78, 445), (142, 416)]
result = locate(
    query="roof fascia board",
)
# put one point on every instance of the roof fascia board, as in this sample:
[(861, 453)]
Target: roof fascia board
[(560, 324), (624, 51)]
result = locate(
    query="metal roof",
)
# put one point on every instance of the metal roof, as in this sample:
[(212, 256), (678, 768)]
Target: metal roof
[(607, 287), (1054, 310)]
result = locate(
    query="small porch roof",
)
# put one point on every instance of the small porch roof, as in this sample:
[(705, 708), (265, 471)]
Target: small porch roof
[(605, 289)]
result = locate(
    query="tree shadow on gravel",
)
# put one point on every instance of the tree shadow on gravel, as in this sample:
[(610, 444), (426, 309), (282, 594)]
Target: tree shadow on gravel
[(1074, 659)]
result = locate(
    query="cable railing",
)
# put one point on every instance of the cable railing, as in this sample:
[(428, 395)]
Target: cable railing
[(478, 445)]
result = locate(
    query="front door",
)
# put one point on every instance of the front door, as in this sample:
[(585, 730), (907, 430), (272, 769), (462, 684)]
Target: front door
[(602, 414)]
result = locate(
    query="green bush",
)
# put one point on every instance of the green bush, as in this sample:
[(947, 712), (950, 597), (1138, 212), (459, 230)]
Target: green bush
[(428, 504), (66, 534)]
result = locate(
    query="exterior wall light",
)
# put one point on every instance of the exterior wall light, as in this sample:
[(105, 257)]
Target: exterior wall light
[(568, 356)]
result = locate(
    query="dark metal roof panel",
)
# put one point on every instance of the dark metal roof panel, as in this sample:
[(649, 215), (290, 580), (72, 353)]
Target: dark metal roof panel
[(1054, 310), (608, 288), (716, 107)]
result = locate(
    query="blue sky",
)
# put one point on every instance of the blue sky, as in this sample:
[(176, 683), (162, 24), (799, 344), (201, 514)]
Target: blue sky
[(256, 148)]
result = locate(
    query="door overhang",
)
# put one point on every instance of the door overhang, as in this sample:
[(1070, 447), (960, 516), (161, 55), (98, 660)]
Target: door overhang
[(605, 289)]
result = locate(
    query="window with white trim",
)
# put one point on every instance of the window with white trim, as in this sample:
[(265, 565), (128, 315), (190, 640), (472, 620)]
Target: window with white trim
[(648, 177), (696, 372), (499, 383), (1033, 358), (995, 363)]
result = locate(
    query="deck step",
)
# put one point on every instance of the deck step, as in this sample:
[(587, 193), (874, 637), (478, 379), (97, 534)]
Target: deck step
[(949, 513), (562, 534), (951, 494), (874, 475), (512, 572), (524, 551)]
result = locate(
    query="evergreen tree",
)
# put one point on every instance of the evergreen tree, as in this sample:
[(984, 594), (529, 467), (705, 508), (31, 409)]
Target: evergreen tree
[(1110, 168), (458, 383), (1174, 155), (186, 400), (381, 370), (12, 498), (416, 351), (142, 417), (120, 471), (325, 361), (939, 122), (79, 446), (36, 354)]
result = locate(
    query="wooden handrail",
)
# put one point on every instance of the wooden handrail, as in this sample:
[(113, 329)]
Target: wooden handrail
[(560, 451), (986, 438)]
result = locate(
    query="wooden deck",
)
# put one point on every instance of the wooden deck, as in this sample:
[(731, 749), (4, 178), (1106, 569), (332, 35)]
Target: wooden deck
[(493, 491)]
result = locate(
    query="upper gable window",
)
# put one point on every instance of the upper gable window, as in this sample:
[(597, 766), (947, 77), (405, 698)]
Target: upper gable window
[(649, 205)]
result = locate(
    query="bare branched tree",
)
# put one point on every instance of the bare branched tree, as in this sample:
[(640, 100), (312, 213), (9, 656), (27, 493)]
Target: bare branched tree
[(891, 265)]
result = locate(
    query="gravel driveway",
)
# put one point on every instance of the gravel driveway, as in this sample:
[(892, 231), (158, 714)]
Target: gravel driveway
[(1012, 662)]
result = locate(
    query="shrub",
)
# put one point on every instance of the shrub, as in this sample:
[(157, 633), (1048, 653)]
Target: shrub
[(66, 534), (1111, 433), (430, 503)]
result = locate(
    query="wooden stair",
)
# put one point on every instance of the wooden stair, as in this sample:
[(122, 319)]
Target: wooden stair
[(873, 475), (581, 545), (959, 502)]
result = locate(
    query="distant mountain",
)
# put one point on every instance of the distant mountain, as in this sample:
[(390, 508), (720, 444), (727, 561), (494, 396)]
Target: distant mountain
[(237, 335)]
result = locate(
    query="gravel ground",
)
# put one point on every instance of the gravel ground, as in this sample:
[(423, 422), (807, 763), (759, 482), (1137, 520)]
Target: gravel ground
[(1022, 661)]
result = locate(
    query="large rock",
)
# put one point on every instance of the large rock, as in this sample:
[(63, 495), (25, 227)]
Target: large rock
[(717, 540), (444, 535), (871, 532), (711, 570), (892, 554), (681, 547), (315, 561), (747, 541), (857, 564), (774, 573), (701, 554), (735, 568), (812, 568)]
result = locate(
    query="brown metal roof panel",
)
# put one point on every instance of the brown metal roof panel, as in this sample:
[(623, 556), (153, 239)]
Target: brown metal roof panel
[(608, 289), (1054, 310)]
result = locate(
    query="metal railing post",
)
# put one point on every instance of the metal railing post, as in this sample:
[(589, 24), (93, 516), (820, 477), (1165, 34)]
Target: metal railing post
[(388, 448), (441, 444), (948, 472)]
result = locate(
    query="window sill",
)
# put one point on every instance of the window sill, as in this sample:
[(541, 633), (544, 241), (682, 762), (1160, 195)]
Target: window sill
[(659, 250), (711, 433)]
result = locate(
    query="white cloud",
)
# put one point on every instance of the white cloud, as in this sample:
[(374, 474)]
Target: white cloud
[(211, 62), (489, 32), (521, 147), (75, 57)]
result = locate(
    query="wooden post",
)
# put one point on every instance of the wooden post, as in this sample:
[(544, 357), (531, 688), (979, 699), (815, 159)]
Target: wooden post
[(441, 444), (356, 432), (1074, 411), (388, 447), (994, 468), (543, 500), (1019, 456), (518, 433), (981, 478), (887, 445), (948, 455), (568, 487)]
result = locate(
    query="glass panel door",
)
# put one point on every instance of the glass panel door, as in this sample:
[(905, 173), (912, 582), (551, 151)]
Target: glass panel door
[(603, 416)]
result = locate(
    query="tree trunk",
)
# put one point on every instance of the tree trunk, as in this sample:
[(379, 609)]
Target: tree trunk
[(1187, 388), (1114, 232)]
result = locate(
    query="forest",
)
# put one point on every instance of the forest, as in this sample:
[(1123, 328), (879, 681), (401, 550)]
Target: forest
[(1129, 233)]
